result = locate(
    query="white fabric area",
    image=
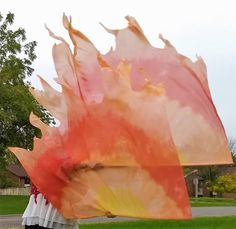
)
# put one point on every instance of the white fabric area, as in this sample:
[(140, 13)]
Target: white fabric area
[(45, 215)]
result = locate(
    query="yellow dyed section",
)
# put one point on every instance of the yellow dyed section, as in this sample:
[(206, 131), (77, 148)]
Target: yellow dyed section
[(120, 202), (182, 156)]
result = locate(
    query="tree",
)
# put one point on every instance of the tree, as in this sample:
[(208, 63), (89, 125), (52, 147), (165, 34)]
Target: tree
[(224, 184), (232, 146), (16, 102)]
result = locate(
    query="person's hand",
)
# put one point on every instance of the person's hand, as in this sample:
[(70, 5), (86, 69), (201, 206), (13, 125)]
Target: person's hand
[(109, 215)]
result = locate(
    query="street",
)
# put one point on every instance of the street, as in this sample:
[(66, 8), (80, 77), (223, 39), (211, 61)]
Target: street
[(15, 220)]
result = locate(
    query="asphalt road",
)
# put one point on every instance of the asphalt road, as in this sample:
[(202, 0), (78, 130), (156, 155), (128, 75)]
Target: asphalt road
[(15, 220)]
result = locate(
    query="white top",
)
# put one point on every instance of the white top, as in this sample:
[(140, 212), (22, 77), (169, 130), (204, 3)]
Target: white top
[(45, 215)]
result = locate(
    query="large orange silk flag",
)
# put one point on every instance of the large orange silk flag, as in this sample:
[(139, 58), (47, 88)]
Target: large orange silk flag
[(128, 121)]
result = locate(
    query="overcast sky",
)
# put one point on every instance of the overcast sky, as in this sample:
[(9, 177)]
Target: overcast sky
[(203, 27)]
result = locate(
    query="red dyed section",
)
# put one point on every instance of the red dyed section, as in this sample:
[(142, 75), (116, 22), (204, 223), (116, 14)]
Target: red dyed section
[(34, 191), (49, 177), (98, 131)]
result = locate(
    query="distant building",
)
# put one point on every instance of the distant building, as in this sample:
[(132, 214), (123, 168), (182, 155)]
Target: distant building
[(196, 186), (18, 175)]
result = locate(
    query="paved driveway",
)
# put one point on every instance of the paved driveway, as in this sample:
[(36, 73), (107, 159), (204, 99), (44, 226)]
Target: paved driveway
[(15, 220)]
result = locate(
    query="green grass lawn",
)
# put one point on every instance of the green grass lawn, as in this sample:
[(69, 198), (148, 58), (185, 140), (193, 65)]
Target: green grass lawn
[(13, 204), (200, 223), (211, 202), (17, 204)]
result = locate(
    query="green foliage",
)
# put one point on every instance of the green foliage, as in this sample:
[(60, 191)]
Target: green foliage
[(14, 68), (209, 173), (232, 146), (224, 184), (16, 102), (5, 181)]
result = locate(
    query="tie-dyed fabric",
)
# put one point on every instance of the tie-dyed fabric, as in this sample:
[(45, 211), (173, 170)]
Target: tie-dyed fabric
[(128, 121)]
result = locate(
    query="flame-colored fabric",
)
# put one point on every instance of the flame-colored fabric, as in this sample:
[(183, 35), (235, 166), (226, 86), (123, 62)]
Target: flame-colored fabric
[(128, 121)]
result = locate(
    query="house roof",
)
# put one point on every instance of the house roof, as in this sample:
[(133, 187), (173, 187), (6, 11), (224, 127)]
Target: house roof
[(17, 170)]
